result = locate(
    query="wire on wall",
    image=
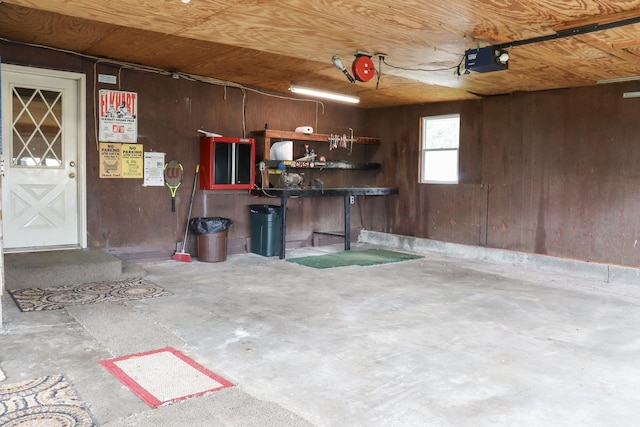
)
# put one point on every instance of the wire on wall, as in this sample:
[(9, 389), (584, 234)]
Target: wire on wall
[(95, 100), (193, 77)]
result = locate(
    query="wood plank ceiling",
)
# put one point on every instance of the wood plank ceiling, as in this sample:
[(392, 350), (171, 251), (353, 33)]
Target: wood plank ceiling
[(272, 44)]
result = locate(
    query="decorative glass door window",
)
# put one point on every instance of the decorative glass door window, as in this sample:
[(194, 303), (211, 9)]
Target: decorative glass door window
[(37, 128)]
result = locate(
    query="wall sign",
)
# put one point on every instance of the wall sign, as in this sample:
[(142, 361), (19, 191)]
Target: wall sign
[(132, 158), (121, 160), (107, 78), (110, 160), (118, 113)]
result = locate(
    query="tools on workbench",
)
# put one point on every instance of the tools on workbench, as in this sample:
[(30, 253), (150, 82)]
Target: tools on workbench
[(291, 180)]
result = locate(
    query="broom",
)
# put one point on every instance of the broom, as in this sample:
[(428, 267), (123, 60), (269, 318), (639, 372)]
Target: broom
[(182, 255)]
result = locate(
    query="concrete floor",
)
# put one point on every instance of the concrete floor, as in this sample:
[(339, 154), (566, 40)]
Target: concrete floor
[(437, 341)]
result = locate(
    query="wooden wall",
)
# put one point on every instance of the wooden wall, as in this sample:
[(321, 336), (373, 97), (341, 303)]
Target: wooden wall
[(554, 172), (125, 216)]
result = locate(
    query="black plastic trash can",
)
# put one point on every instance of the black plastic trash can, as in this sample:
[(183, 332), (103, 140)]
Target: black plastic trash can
[(212, 234), (266, 229)]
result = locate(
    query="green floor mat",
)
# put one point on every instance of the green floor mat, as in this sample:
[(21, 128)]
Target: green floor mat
[(364, 258)]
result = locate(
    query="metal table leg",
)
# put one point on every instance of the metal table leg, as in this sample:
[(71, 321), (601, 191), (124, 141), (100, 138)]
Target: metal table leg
[(283, 223), (347, 222)]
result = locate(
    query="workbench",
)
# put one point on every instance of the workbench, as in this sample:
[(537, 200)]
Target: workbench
[(346, 192)]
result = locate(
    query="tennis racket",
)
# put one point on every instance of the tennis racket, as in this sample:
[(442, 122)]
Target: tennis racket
[(173, 174)]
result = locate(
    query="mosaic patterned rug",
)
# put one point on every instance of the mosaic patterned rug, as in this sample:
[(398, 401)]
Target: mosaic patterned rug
[(55, 298), (164, 376), (45, 401)]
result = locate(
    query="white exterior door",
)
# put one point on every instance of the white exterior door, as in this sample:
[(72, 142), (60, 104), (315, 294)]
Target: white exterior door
[(43, 154)]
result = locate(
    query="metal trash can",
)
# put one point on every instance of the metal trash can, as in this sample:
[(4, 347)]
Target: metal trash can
[(266, 229), (212, 234)]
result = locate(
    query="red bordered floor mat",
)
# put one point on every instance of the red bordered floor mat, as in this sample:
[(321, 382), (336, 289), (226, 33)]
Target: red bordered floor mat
[(163, 376)]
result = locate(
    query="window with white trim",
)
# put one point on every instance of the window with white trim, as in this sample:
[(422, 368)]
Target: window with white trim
[(439, 147)]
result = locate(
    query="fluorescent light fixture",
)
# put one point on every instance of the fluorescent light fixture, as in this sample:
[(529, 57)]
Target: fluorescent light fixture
[(619, 79), (631, 95), (323, 94)]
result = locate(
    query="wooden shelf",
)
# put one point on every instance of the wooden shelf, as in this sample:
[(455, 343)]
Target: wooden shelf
[(267, 135), (295, 164)]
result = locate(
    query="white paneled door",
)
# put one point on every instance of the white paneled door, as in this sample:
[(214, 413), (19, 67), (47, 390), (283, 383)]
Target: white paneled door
[(43, 151)]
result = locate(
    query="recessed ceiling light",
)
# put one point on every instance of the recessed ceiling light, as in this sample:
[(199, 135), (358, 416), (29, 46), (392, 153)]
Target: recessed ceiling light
[(185, 1)]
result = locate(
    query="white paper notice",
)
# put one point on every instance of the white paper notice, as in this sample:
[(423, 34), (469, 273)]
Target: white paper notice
[(153, 169)]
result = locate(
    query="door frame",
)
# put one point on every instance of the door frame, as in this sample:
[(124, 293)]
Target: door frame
[(81, 120)]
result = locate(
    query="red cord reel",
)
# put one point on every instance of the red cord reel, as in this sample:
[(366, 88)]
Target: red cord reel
[(363, 68)]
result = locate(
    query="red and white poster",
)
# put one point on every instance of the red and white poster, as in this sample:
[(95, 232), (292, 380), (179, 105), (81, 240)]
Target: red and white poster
[(118, 112)]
